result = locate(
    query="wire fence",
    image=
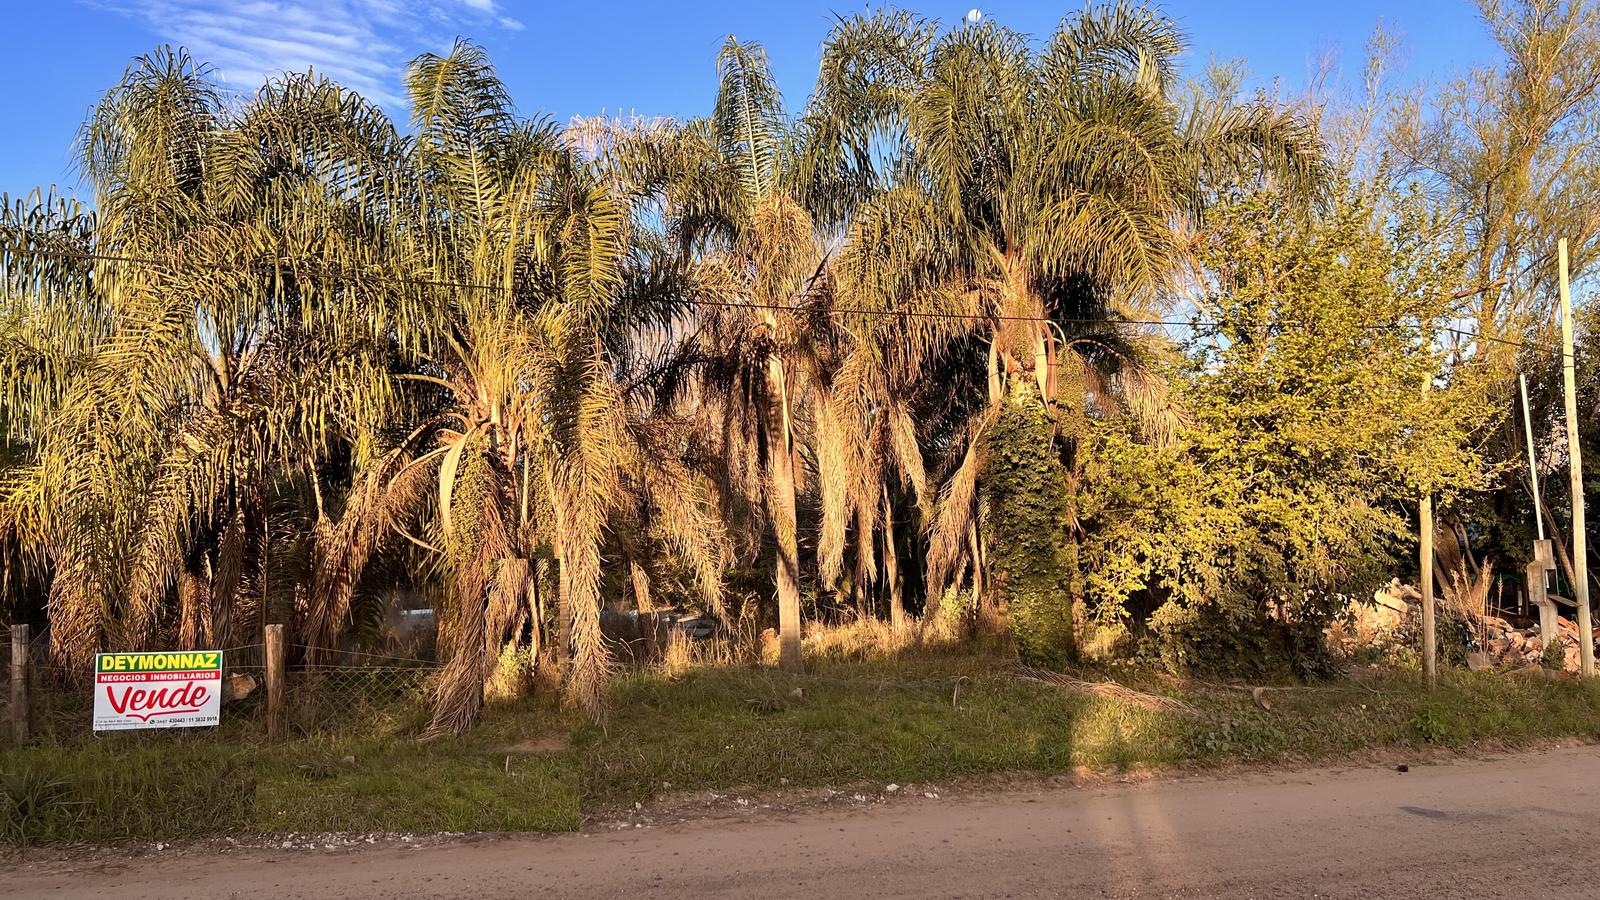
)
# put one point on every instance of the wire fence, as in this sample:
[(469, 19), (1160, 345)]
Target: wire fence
[(323, 692)]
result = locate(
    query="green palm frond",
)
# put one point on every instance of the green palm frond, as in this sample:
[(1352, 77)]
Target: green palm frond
[(1121, 40), (749, 118), (463, 118)]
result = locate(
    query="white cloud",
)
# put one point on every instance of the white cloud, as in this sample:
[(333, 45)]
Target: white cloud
[(362, 44)]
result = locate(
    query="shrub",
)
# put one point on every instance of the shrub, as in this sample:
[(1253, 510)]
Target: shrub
[(1230, 642)]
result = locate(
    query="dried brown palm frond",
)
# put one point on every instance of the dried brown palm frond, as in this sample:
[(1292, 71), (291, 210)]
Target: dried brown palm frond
[(948, 542), (380, 500), (684, 515), (834, 470), (479, 546), (1107, 689), (587, 482)]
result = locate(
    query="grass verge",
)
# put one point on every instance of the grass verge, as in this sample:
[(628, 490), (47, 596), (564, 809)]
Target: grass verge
[(925, 720), (160, 786), (923, 717)]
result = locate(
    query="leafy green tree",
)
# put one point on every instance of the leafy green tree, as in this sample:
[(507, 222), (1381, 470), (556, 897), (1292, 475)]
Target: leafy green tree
[(1312, 434)]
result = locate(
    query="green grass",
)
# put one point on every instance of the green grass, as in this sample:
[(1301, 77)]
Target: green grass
[(926, 718), (373, 776), (399, 786), (852, 722)]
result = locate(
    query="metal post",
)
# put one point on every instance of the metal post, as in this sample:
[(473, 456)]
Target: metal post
[(1430, 655), (1580, 550), (1539, 591)]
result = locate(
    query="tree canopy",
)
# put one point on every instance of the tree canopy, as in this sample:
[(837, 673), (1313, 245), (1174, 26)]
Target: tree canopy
[(990, 327)]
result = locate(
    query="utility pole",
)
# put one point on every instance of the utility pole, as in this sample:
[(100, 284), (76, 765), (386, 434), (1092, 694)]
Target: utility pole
[(1533, 465), (1580, 550), (1430, 655)]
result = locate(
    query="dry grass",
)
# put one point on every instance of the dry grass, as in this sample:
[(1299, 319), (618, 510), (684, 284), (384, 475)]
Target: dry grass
[(681, 653), (862, 640), (870, 640)]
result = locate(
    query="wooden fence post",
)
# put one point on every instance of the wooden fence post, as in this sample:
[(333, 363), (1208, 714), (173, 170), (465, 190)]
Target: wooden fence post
[(274, 681), (19, 684)]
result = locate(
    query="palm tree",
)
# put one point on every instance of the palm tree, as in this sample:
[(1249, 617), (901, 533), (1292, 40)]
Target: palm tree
[(725, 189), (47, 334), (1047, 192), (222, 352), (277, 295), (529, 432)]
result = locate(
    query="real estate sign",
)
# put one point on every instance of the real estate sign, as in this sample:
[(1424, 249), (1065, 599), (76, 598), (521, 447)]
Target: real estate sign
[(181, 689)]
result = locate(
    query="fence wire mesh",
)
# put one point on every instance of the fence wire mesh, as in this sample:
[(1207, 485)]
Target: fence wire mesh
[(340, 689)]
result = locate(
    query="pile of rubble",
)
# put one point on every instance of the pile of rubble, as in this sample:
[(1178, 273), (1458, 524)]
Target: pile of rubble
[(1504, 644), (1396, 608)]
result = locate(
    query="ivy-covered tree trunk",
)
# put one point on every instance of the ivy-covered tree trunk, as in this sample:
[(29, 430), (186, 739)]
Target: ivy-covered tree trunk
[(1027, 497)]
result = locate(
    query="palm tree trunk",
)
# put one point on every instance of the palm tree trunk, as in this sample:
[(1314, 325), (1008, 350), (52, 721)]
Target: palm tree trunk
[(193, 609), (975, 543), (1027, 490), (641, 586), (536, 610), (861, 592), (891, 567), (781, 509), (563, 641)]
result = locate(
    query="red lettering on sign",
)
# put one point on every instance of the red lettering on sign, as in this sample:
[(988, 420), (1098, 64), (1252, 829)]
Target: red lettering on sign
[(144, 705)]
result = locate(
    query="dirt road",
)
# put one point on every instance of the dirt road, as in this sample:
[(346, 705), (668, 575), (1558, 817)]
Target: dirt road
[(1516, 826)]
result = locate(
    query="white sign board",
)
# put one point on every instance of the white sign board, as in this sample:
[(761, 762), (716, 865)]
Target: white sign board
[(181, 689)]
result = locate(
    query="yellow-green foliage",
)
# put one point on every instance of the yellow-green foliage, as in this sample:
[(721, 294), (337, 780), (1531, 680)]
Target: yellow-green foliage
[(1310, 435)]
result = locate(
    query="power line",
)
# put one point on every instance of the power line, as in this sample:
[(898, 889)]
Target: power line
[(88, 256)]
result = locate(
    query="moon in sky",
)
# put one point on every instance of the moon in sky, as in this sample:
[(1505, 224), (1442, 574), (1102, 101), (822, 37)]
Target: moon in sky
[(973, 16)]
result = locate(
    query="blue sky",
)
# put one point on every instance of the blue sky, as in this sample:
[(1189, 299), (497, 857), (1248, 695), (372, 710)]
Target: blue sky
[(651, 58)]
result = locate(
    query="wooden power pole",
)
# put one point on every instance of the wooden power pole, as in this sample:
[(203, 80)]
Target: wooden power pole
[(1580, 550), (1430, 655)]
